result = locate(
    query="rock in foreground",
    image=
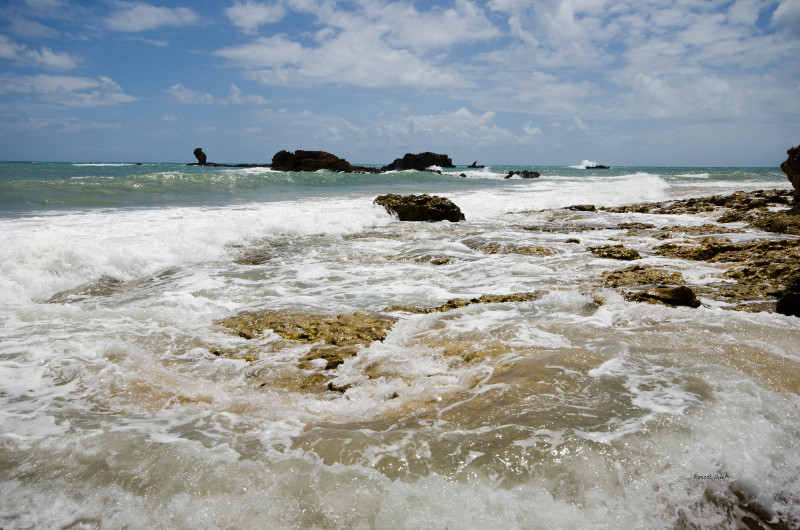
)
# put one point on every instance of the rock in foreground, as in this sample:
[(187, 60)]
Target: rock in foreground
[(421, 207), (792, 169)]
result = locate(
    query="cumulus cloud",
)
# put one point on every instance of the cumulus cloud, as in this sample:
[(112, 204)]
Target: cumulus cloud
[(186, 96), (250, 15), (134, 17), (41, 58), (71, 91), (374, 45), (235, 97)]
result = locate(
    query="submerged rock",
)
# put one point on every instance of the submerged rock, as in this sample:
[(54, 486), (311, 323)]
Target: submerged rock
[(456, 303), (419, 162), (421, 207), (314, 161), (639, 275), (495, 248), (525, 174), (615, 252), (672, 296), (336, 337), (791, 166)]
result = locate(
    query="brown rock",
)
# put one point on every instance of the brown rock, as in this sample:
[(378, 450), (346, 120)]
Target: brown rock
[(791, 166), (421, 207)]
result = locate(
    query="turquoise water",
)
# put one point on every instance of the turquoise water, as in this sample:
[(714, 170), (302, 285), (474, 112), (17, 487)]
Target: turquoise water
[(36, 186)]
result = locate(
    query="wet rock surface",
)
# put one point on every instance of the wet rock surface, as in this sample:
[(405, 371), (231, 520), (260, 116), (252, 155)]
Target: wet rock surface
[(791, 166), (421, 207), (615, 252)]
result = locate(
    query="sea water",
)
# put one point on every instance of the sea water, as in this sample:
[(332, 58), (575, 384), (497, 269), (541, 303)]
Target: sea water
[(578, 409)]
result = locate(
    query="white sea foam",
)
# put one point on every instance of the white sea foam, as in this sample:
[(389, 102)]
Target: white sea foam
[(557, 412)]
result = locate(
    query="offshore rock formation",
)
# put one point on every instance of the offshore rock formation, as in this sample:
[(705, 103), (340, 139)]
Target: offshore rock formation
[(315, 161), (421, 207), (792, 169), (202, 161), (201, 156), (420, 162)]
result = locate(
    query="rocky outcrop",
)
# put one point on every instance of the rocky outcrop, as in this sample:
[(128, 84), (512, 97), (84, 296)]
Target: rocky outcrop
[(419, 162), (203, 161), (525, 174), (420, 207), (201, 156), (792, 169), (335, 337), (315, 161)]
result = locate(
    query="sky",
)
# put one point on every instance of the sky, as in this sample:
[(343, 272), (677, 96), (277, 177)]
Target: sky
[(523, 82)]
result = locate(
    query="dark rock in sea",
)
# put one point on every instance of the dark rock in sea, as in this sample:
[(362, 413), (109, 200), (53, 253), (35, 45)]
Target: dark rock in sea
[(419, 162), (596, 166), (615, 252), (791, 166), (525, 174), (672, 296), (315, 161), (202, 161), (582, 208), (475, 165), (421, 207), (789, 301)]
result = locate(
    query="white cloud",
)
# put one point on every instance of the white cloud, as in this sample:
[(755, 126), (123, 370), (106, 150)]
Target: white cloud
[(186, 96), (142, 17), (235, 97), (71, 91), (530, 130), (374, 45), (264, 52), (41, 58), (578, 125), (180, 94), (250, 15), (787, 17)]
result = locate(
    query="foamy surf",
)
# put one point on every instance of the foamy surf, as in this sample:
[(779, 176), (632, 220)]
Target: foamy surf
[(125, 402)]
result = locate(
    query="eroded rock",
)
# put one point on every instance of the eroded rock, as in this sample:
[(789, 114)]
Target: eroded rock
[(336, 337), (421, 207), (314, 161), (615, 252), (419, 162), (456, 303), (791, 166)]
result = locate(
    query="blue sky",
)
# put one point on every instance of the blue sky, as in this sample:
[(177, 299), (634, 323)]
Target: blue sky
[(539, 82)]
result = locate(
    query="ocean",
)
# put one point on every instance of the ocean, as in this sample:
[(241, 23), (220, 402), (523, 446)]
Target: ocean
[(125, 403)]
